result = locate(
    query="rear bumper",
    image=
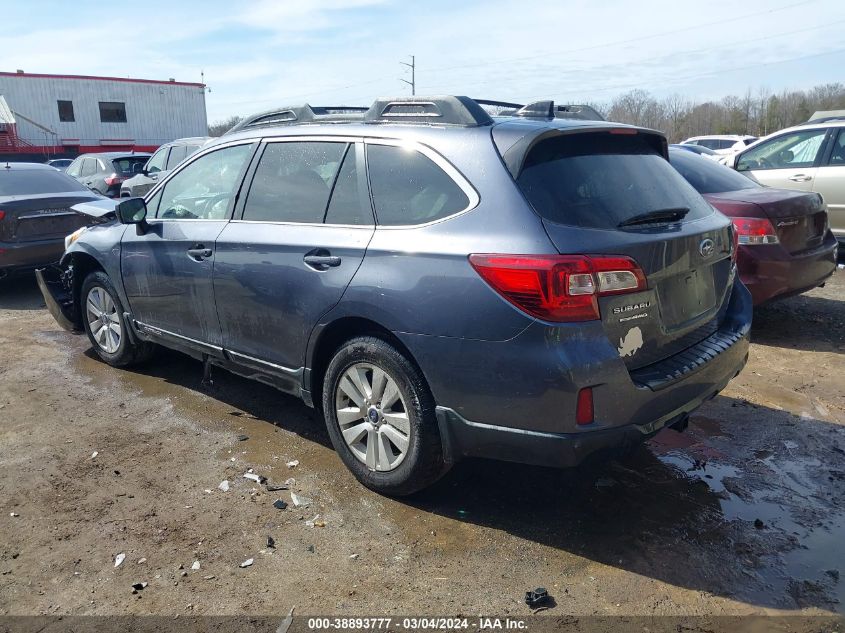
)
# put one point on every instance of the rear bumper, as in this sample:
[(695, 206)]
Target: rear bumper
[(516, 400), (27, 256), (770, 272)]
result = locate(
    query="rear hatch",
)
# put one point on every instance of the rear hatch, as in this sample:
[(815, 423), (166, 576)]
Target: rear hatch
[(611, 191), (799, 218), (41, 217)]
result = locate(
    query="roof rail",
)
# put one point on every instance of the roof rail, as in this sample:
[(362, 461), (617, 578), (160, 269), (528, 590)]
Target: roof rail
[(544, 110), (446, 110), (826, 119), (440, 110)]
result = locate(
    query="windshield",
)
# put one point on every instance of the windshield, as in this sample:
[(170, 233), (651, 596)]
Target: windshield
[(600, 180), (706, 175), (18, 182)]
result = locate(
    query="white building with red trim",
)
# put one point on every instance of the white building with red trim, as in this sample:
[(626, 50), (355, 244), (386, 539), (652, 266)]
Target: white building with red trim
[(73, 114)]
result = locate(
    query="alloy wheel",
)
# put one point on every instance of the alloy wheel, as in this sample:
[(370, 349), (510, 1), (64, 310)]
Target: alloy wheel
[(103, 319), (372, 416)]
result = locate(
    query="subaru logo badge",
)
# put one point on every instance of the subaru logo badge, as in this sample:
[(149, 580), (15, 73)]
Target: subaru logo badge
[(706, 247), (373, 415)]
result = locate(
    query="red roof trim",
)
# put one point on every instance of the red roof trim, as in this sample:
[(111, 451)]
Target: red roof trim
[(124, 79)]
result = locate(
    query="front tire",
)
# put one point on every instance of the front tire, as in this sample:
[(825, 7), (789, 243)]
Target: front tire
[(380, 416), (105, 325)]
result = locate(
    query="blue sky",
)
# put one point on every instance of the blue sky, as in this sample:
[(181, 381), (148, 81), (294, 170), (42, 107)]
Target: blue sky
[(259, 54)]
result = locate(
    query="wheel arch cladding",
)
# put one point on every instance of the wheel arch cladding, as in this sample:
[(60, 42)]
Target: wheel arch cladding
[(327, 339), (83, 265)]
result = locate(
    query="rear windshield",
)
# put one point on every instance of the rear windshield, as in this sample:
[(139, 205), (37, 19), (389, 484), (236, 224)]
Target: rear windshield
[(708, 176), (130, 164), (19, 182), (599, 180)]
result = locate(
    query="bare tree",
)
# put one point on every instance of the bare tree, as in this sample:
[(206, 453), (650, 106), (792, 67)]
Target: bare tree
[(219, 127)]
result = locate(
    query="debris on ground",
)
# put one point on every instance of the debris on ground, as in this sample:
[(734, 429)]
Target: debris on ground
[(94, 454), (138, 586), (293, 463), (285, 624), (279, 504), (353, 556), (224, 485), (271, 542), (119, 559), (211, 577), (539, 597), (256, 478), (276, 488), (290, 482), (243, 438), (299, 502), (315, 522), (247, 563), (196, 565), (310, 548), (14, 514), (141, 561)]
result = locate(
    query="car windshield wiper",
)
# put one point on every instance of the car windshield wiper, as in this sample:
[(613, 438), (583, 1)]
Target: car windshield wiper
[(656, 217)]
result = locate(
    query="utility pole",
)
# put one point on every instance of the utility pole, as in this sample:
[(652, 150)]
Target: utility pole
[(413, 68)]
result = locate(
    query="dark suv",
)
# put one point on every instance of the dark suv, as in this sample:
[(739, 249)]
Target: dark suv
[(105, 172), (439, 283)]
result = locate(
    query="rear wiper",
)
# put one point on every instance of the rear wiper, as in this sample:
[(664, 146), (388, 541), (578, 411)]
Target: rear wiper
[(656, 217)]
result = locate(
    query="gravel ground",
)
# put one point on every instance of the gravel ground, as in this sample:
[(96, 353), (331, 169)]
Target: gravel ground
[(742, 514)]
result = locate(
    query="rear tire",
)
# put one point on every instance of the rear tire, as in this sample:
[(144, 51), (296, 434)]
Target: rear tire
[(380, 416), (105, 325)]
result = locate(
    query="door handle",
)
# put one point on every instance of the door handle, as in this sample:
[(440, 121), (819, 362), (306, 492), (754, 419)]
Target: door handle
[(321, 262), (800, 178), (199, 252)]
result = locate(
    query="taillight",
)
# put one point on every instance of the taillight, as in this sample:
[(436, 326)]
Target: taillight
[(114, 179), (560, 288), (2, 215), (584, 407), (754, 231)]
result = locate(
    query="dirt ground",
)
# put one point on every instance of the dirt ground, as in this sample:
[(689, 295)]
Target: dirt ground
[(742, 514)]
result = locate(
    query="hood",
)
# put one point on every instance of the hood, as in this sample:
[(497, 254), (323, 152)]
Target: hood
[(102, 208)]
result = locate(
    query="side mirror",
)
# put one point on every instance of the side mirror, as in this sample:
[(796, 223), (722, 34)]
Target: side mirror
[(133, 211)]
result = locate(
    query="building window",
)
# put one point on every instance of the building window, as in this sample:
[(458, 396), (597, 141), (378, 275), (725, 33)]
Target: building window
[(112, 112), (66, 111)]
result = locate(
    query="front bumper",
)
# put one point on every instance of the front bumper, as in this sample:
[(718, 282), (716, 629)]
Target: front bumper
[(58, 298), (770, 272)]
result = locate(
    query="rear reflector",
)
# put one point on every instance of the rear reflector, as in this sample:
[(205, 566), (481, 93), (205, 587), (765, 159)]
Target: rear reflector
[(754, 231), (584, 408), (559, 288)]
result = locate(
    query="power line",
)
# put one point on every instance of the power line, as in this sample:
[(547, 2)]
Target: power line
[(699, 50), (628, 41), (710, 72)]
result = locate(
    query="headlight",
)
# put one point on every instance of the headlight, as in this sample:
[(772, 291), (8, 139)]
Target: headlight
[(70, 239)]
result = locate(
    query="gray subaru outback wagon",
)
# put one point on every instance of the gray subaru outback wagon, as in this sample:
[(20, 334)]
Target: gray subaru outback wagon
[(440, 283)]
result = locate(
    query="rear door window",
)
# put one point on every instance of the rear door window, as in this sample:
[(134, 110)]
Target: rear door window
[(600, 180), (408, 188), (89, 167), (293, 181), (837, 155), (349, 202)]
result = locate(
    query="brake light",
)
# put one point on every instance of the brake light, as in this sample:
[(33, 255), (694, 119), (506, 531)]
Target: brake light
[(2, 215), (584, 407), (559, 288), (114, 179), (755, 231)]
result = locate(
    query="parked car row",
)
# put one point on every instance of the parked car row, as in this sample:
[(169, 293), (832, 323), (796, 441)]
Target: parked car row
[(602, 296)]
